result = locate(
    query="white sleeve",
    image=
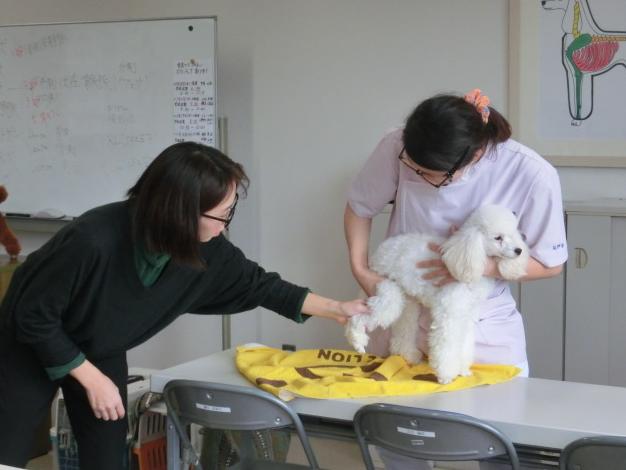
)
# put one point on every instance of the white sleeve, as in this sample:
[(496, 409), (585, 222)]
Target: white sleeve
[(543, 221), (377, 182)]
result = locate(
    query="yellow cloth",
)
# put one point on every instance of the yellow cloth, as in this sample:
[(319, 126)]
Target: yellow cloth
[(335, 373)]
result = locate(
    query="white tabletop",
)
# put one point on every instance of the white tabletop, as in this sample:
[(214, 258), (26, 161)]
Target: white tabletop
[(536, 412)]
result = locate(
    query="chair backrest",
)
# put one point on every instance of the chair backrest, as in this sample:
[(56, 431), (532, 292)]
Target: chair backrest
[(229, 407), (429, 435), (587, 453)]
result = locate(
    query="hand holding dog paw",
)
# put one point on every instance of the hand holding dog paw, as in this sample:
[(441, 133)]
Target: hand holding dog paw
[(351, 308)]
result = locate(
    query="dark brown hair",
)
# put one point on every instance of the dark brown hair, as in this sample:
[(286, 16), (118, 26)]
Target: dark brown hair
[(441, 128), (183, 181)]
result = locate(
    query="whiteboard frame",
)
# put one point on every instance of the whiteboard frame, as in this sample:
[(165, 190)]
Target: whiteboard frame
[(218, 138)]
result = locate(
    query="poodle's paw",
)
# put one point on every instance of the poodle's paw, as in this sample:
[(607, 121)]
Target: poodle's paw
[(466, 372), (446, 375), (445, 380)]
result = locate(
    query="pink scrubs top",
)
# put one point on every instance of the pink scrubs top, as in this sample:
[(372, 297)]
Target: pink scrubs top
[(509, 174)]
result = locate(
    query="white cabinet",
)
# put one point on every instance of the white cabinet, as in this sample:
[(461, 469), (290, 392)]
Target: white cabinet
[(595, 293), (541, 304), (576, 322)]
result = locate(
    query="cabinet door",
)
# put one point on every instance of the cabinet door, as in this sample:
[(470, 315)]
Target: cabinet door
[(587, 299), (617, 316), (541, 305)]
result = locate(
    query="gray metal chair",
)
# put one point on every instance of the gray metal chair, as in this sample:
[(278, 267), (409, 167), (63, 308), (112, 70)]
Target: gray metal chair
[(235, 408), (429, 435), (590, 453)]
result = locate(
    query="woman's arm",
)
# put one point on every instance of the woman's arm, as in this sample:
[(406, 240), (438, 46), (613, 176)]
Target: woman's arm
[(103, 395), (319, 306), (440, 275), (534, 270), (357, 231)]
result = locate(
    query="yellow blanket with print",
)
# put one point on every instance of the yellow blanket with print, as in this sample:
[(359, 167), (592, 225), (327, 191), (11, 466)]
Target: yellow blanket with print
[(335, 373)]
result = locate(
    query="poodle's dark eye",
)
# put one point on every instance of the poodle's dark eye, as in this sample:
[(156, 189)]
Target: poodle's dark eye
[(499, 238)]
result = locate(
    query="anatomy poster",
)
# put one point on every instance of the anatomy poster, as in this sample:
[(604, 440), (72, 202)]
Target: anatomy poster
[(582, 70)]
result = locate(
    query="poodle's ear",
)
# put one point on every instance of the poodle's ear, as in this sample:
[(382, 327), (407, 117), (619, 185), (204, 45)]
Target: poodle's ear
[(464, 255)]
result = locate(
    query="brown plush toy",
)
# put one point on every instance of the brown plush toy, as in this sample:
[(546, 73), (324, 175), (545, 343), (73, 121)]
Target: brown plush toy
[(7, 237)]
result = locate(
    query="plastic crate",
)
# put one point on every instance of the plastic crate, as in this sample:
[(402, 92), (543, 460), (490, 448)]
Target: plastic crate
[(151, 447), (64, 447)]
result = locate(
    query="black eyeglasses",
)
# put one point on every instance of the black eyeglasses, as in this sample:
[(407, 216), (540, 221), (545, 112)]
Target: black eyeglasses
[(447, 177), (229, 218)]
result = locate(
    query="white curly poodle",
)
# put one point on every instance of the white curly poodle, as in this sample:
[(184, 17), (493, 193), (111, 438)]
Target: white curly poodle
[(491, 231)]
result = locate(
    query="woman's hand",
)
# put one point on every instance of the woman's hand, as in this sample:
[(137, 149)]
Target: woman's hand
[(438, 273), (103, 395), (350, 308), (341, 312)]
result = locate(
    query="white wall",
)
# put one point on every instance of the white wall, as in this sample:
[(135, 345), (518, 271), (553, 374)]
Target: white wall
[(308, 88)]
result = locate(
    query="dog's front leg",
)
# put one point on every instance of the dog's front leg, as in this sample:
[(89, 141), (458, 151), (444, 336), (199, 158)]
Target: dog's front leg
[(385, 307), (404, 333), (356, 332), (467, 349)]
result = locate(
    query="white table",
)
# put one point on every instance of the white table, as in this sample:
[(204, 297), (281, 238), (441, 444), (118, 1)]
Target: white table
[(533, 412)]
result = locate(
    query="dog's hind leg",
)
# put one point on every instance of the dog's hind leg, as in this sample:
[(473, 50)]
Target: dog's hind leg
[(467, 348), (450, 315), (404, 333)]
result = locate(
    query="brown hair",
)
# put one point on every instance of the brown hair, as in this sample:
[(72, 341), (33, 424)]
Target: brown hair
[(183, 181), (441, 128)]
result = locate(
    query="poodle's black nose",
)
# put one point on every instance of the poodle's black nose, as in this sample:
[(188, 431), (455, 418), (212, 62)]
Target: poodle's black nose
[(518, 251)]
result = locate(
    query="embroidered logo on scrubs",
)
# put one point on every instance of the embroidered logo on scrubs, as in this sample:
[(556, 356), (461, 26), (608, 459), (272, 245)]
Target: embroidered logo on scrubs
[(558, 246)]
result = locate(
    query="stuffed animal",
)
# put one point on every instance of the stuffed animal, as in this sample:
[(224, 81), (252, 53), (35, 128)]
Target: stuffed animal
[(7, 237)]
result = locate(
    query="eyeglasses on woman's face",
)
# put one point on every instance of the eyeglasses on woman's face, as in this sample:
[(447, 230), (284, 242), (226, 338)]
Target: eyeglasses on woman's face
[(447, 176), (228, 219)]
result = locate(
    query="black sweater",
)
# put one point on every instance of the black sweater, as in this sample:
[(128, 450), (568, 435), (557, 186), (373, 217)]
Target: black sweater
[(80, 293)]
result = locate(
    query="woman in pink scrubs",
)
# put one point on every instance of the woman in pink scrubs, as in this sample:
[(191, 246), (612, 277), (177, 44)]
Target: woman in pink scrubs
[(453, 155)]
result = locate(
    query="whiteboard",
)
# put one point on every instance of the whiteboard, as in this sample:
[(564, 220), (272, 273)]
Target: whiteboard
[(84, 107)]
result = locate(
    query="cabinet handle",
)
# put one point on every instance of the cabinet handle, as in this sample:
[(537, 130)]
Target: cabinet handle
[(581, 258)]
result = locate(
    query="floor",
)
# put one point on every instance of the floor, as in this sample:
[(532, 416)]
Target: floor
[(332, 455)]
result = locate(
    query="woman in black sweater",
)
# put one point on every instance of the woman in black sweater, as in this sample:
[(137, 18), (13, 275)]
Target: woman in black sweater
[(113, 278)]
